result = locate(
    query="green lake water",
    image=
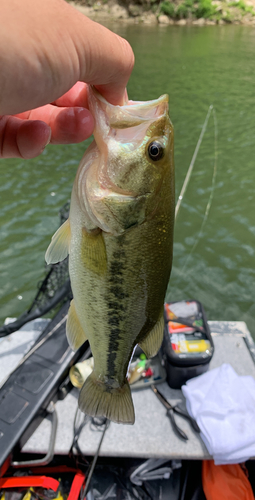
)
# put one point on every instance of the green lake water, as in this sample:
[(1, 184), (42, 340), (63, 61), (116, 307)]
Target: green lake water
[(196, 66)]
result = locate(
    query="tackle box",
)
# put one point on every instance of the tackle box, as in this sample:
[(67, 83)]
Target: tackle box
[(187, 347)]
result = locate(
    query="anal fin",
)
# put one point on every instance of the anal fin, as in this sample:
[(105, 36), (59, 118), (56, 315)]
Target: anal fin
[(151, 344), (74, 331), (58, 249)]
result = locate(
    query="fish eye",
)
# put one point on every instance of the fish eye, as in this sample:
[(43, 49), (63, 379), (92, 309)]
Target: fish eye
[(155, 150)]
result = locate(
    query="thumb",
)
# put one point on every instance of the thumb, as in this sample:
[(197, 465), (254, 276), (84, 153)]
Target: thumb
[(106, 61)]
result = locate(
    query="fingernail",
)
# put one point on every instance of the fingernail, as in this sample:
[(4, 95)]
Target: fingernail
[(47, 142), (49, 138), (125, 97)]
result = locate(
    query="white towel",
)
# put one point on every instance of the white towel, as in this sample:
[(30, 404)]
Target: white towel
[(223, 404)]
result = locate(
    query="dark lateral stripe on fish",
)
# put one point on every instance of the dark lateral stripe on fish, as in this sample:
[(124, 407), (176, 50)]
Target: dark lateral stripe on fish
[(115, 308)]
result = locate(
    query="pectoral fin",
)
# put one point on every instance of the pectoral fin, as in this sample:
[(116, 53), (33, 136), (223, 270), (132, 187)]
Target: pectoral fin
[(93, 252), (58, 249), (74, 331), (151, 344)]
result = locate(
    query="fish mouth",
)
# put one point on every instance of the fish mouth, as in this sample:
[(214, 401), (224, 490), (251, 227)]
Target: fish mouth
[(136, 113), (121, 129), (131, 114)]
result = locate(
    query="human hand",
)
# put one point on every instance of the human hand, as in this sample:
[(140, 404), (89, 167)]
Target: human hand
[(64, 121), (48, 51)]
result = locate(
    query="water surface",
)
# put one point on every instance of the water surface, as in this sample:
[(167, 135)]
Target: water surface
[(196, 66)]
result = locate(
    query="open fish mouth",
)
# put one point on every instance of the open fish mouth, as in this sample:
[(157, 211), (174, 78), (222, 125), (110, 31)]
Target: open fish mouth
[(132, 114), (136, 112)]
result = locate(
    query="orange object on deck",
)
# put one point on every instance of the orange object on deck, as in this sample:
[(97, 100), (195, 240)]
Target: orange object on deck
[(225, 482)]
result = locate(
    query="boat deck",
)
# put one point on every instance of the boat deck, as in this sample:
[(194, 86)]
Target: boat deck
[(152, 434)]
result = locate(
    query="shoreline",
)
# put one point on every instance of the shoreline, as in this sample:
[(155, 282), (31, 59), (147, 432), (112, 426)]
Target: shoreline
[(114, 12)]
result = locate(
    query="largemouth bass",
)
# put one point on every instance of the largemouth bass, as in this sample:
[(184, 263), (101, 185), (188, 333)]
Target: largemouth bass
[(119, 237)]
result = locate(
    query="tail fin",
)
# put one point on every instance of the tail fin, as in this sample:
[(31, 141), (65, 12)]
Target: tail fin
[(116, 405)]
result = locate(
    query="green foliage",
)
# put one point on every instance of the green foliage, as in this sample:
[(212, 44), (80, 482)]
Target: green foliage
[(167, 8), (182, 11), (189, 8), (185, 10), (154, 8), (228, 17), (205, 9), (242, 6)]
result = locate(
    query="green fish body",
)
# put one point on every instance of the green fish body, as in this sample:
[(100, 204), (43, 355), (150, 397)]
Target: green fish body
[(119, 237)]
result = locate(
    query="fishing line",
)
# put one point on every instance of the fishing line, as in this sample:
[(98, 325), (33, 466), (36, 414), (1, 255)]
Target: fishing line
[(77, 428), (208, 206), (187, 178), (106, 423)]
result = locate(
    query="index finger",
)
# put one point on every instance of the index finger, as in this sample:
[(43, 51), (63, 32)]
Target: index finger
[(75, 97)]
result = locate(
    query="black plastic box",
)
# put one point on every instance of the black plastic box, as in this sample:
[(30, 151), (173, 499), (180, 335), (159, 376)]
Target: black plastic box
[(187, 347)]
